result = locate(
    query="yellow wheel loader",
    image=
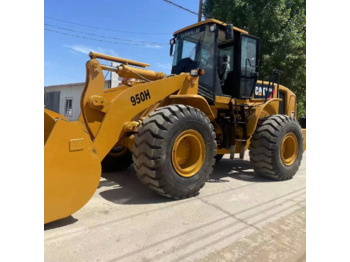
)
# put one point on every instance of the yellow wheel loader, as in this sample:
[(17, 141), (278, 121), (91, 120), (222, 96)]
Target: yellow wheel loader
[(173, 128)]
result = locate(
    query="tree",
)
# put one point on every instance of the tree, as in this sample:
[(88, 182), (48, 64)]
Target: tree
[(281, 27)]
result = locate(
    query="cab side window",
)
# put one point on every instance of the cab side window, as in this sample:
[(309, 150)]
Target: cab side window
[(249, 56), (225, 68)]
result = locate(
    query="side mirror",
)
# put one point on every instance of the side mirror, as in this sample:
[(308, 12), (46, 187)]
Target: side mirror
[(172, 43), (229, 32)]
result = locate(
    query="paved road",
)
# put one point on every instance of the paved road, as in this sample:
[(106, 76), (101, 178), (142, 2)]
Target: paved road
[(236, 217)]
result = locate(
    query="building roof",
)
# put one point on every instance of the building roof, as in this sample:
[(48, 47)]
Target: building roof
[(66, 85), (70, 85)]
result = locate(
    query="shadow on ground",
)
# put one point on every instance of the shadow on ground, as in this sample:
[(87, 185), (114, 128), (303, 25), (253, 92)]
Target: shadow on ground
[(124, 187), (237, 169), (60, 223)]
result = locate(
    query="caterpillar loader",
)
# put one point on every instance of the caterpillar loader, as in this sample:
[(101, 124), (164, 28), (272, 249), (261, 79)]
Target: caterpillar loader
[(173, 128)]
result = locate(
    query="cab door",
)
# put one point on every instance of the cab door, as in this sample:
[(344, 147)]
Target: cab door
[(248, 60)]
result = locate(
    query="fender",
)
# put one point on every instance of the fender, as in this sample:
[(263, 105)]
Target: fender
[(196, 101), (267, 109)]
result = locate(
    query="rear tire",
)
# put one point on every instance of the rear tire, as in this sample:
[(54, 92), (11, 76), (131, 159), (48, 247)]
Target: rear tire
[(276, 148), (154, 151)]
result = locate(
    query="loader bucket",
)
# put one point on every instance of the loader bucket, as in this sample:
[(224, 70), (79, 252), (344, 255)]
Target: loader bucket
[(72, 167)]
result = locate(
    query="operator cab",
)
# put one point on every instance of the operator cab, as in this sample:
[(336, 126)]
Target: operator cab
[(228, 55)]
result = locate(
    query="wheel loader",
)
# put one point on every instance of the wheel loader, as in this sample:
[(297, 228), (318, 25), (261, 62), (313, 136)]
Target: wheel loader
[(173, 128)]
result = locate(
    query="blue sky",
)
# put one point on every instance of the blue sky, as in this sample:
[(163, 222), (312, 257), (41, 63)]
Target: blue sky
[(151, 22)]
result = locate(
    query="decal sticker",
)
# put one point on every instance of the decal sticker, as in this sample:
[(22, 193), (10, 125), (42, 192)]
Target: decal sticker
[(261, 91), (138, 98), (191, 32)]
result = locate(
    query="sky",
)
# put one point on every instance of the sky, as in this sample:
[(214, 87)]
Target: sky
[(133, 29)]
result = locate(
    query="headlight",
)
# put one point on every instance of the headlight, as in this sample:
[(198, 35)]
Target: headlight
[(197, 72), (194, 72), (212, 28)]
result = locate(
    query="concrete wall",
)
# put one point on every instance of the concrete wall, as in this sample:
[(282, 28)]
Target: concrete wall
[(115, 78), (68, 91), (73, 91)]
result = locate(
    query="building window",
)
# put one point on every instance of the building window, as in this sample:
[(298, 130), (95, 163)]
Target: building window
[(68, 111)]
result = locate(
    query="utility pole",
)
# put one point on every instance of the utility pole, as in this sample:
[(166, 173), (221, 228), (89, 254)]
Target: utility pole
[(200, 10)]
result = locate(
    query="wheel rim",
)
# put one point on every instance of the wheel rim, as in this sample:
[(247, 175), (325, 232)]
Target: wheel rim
[(289, 149), (188, 153)]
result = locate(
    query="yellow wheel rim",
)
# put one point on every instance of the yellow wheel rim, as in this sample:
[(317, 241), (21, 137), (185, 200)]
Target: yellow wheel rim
[(188, 153), (289, 149)]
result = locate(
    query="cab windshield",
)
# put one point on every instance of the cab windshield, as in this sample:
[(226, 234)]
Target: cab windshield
[(196, 48)]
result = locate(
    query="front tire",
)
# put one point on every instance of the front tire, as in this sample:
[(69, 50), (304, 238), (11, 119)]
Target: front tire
[(174, 151), (276, 148)]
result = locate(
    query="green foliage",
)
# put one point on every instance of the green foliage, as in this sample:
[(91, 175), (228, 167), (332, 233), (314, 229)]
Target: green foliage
[(281, 27)]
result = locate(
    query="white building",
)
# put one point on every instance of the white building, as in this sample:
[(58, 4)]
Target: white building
[(65, 99)]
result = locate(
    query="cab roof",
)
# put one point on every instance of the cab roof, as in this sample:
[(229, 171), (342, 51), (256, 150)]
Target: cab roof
[(207, 22)]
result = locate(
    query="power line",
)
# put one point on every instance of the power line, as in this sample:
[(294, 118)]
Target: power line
[(103, 36), (104, 28), (188, 10), (94, 39)]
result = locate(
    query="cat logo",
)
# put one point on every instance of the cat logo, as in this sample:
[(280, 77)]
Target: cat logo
[(263, 91), (258, 91)]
